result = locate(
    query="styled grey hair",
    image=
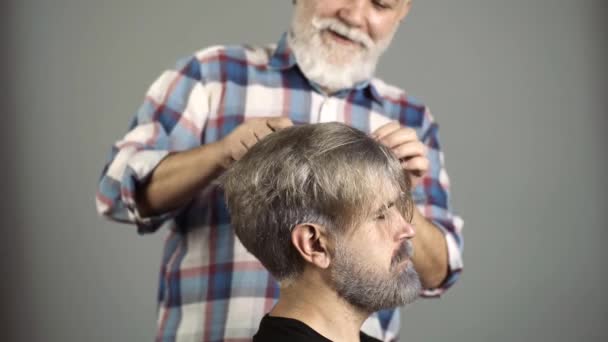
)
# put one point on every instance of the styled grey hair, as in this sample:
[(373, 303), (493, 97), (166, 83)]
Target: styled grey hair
[(328, 174)]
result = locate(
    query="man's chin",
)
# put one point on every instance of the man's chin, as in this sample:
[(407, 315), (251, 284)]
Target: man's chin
[(339, 64), (343, 61), (343, 56), (333, 67)]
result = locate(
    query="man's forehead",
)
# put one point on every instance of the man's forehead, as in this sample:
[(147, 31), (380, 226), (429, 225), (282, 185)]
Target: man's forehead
[(387, 192)]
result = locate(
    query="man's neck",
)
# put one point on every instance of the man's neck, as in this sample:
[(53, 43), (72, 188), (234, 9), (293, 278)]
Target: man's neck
[(313, 303)]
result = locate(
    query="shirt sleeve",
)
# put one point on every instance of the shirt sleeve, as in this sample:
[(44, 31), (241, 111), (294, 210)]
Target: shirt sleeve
[(432, 197), (170, 119)]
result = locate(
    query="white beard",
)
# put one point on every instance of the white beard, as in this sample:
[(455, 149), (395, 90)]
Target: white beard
[(314, 56)]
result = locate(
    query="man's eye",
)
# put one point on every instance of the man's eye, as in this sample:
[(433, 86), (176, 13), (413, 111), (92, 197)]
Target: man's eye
[(384, 211), (381, 4)]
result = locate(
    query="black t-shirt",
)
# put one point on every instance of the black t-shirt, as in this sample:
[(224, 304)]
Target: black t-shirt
[(277, 329)]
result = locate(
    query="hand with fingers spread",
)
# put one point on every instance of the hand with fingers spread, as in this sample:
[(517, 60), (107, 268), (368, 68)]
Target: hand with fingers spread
[(405, 144), (239, 141)]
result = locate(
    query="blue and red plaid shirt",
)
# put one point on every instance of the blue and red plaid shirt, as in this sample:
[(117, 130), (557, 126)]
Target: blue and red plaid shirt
[(211, 288)]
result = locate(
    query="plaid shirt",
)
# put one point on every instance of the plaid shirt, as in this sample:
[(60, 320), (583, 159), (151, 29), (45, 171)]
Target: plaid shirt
[(211, 288)]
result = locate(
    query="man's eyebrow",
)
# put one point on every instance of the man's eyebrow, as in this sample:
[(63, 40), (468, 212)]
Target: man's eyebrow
[(385, 206), (380, 210)]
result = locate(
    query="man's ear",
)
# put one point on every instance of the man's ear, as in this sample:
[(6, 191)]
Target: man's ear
[(405, 9), (312, 243)]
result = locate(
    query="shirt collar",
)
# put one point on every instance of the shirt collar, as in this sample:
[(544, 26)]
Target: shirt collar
[(283, 59)]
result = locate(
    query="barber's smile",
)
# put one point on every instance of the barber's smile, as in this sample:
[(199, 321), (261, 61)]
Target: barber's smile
[(342, 39)]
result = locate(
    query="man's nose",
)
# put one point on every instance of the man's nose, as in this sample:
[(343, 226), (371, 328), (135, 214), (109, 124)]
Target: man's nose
[(406, 230), (353, 13)]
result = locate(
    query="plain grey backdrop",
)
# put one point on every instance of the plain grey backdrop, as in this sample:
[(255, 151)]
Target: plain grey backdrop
[(519, 90)]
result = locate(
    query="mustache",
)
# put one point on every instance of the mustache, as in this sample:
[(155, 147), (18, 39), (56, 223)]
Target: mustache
[(405, 251), (343, 29)]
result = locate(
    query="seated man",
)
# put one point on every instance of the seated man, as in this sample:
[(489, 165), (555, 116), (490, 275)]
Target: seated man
[(326, 210)]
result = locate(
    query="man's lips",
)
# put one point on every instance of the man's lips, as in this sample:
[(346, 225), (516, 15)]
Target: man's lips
[(401, 265), (341, 39)]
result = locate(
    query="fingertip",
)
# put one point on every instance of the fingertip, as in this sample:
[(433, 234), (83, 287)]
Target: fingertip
[(279, 123)]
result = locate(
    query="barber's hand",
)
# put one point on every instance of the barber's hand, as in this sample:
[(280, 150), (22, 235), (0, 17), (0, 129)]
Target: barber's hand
[(238, 142), (405, 144)]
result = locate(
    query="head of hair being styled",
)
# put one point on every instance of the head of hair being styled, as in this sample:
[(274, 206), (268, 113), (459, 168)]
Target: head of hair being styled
[(327, 174)]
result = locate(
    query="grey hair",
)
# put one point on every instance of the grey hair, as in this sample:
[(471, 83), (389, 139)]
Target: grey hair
[(328, 174)]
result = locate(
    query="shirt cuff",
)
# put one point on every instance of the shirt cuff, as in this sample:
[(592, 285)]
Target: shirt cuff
[(139, 169)]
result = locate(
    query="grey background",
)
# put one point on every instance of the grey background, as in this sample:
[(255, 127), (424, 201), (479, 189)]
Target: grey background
[(519, 88)]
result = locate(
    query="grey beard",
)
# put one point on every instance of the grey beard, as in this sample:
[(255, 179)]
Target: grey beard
[(311, 56), (369, 291)]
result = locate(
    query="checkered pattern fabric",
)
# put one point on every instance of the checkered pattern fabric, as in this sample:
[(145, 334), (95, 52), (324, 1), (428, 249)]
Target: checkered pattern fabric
[(211, 288)]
